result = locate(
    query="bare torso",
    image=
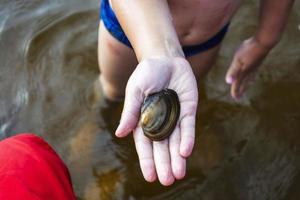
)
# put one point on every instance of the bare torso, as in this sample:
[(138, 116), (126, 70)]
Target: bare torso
[(198, 20)]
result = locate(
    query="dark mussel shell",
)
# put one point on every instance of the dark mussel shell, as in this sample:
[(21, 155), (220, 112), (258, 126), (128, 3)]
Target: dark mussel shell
[(159, 114)]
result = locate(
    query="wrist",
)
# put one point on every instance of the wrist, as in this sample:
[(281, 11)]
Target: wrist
[(266, 42), (164, 59), (160, 48)]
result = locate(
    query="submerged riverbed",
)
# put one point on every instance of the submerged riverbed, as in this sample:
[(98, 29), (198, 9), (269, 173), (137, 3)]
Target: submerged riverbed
[(244, 150)]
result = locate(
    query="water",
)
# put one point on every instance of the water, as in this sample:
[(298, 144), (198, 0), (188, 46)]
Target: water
[(246, 150)]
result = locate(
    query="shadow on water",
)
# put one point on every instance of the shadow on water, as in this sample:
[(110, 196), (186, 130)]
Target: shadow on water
[(246, 150)]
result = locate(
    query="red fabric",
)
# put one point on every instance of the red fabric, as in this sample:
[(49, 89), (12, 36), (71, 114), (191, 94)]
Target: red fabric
[(30, 169)]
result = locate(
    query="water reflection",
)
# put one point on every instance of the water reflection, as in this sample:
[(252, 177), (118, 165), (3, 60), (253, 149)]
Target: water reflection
[(246, 150)]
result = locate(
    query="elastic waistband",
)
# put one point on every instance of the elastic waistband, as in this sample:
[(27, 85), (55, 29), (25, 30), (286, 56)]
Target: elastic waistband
[(113, 26)]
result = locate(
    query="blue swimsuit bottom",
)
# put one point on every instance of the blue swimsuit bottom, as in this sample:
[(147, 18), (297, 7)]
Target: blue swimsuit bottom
[(111, 23)]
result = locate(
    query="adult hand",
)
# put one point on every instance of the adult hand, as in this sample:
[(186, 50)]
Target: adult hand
[(245, 62), (163, 159)]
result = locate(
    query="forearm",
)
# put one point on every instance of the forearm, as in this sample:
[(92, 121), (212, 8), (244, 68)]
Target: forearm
[(272, 20), (148, 25)]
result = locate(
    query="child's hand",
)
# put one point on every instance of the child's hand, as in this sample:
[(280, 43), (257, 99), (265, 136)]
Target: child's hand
[(245, 62), (165, 159)]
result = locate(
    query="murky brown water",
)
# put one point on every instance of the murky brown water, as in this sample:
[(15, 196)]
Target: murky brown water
[(247, 150)]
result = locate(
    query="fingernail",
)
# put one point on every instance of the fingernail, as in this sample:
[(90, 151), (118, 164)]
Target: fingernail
[(229, 79)]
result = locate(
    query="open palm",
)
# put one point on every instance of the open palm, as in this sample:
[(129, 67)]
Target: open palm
[(163, 159)]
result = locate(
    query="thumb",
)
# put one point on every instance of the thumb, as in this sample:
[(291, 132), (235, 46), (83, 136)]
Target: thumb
[(131, 112), (233, 71)]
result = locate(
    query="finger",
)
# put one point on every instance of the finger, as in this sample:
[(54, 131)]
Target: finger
[(235, 87), (163, 162), (187, 129), (242, 90), (178, 163), (144, 150), (131, 112), (249, 79), (233, 71), (239, 86)]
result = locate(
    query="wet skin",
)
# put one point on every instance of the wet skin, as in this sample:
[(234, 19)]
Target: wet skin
[(156, 30)]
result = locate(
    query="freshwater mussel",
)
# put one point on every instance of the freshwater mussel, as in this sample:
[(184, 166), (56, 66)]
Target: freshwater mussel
[(159, 114)]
